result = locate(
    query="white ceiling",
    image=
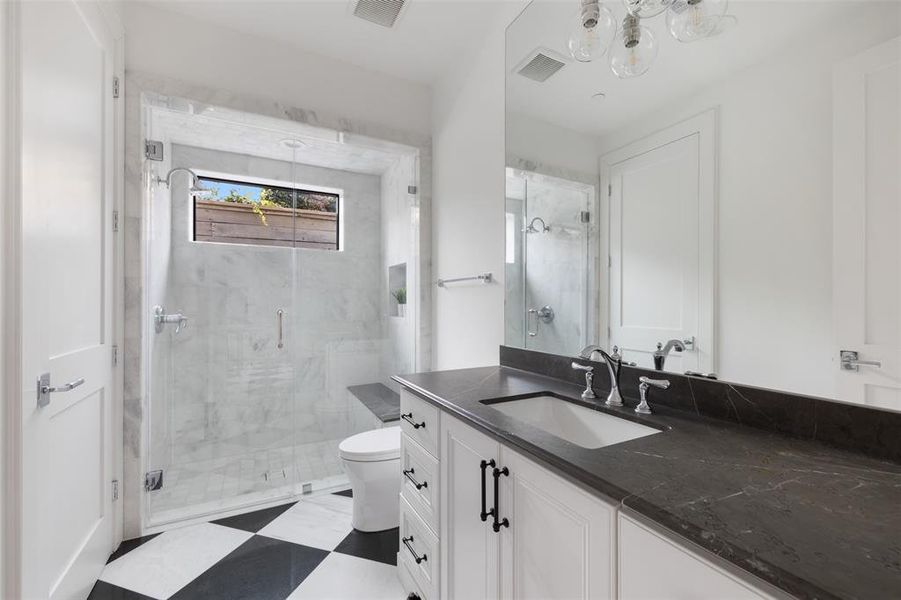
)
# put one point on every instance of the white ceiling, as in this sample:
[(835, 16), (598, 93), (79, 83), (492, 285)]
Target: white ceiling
[(429, 38), (764, 28)]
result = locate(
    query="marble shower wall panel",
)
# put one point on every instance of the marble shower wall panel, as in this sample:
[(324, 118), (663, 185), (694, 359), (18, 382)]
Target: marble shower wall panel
[(237, 393), (397, 247)]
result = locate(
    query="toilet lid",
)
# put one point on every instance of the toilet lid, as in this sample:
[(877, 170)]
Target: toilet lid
[(378, 444)]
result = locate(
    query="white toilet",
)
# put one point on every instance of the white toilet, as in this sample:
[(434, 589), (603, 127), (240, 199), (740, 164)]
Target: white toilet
[(372, 462)]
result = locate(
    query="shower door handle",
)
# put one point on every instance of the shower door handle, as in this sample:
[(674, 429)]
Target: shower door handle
[(281, 338)]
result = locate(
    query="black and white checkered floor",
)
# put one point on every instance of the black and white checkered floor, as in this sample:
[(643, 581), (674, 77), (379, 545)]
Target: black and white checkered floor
[(305, 549)]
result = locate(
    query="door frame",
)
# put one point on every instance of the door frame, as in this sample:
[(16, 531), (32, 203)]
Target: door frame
[(705, 125), (12, 381)]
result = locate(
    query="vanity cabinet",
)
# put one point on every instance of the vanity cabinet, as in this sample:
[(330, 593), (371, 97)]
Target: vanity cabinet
[(653, 566), (552, 538), (558, 541)]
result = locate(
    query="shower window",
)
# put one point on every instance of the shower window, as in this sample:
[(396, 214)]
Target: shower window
[(241, 211)]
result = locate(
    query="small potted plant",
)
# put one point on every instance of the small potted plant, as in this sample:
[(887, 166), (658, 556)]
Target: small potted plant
[(400, 294)]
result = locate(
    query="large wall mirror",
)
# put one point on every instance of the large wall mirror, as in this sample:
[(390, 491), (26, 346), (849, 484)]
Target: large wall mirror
[(710, 187)]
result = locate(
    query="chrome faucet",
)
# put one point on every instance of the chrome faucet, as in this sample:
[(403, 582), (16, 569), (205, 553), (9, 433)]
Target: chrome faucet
[(663, 351), (644, 384), (614, 363)]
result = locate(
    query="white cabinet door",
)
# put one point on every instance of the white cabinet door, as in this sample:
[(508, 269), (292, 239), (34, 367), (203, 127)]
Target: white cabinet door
[(469, 547), (67, 136), (560, 541), (661, 203), (867, 225), (652, 567)]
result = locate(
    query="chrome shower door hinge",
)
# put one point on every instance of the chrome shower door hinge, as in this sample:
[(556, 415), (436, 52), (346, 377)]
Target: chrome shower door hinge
[(153, 481), (153, 149)]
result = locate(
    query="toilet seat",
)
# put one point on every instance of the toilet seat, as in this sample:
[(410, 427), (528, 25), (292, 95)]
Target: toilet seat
[(372, 446)]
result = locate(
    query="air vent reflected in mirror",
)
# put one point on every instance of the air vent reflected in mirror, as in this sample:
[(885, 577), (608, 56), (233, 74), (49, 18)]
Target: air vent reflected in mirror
[(380, 12), (541, 64)]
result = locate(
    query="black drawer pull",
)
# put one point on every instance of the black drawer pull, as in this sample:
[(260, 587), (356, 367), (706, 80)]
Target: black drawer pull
[(496, 526), (408, 417), (409, 473), (417, 558), (483, 466)]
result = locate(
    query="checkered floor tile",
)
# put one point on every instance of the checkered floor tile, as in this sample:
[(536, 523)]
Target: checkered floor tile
[(306, 549)]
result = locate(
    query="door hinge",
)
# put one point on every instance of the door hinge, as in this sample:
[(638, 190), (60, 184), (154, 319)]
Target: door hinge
[(609, 189), (153, 150), (585, 216), (115, 355), (412, 189), (115, 87), (115, 489), (153, 480), (115, 221)]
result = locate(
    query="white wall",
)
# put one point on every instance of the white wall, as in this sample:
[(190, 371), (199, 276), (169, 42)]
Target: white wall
[(775, 208), (468, 205), (161, 42), (549, 149)]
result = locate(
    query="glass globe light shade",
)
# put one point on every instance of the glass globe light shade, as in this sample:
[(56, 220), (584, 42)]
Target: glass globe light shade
[(634, 49), (592, 32), (694, 20), (646, 8)]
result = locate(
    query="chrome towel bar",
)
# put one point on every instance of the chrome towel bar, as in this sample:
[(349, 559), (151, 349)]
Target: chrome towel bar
[(484, 278)]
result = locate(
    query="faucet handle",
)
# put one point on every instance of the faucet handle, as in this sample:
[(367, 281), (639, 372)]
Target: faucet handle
[(588, 394), (580, 367), (644, 383)]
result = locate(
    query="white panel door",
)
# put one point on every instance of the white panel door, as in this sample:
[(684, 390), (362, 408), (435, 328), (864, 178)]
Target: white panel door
[(867, 225), (67, 195), (561, 541), (469, 546), (661, 244)]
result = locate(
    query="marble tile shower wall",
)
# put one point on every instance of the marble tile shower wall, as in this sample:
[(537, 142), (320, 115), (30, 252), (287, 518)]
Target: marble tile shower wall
[(234, 392)]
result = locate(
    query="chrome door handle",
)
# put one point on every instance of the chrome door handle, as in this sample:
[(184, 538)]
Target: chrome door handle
[(160, 318), (851, 362), (280, 313), (44, 389)]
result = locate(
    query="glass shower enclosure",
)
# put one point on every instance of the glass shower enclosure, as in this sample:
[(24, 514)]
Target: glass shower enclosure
[(548, 262), (267, 295)]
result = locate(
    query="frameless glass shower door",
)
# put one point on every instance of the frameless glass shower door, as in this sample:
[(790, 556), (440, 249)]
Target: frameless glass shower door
[(221, 296)]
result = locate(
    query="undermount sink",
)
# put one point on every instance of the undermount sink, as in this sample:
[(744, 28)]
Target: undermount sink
[(572, 422)]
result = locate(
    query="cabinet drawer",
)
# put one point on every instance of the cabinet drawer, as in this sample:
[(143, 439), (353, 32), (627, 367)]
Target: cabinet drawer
[(420, 469), (419, 420), (407, 582), (423, 545)]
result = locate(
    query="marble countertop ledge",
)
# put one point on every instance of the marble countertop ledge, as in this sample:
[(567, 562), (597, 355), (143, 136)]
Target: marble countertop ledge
[(815, 521)]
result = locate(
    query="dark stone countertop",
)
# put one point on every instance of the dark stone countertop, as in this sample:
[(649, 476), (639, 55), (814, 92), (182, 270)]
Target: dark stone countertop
[(378, 398), (812, 520)]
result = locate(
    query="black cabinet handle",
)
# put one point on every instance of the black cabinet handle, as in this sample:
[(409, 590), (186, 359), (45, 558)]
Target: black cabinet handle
[(496, 526), (409, 473), (483, 466), (408, 417), (417, 558)]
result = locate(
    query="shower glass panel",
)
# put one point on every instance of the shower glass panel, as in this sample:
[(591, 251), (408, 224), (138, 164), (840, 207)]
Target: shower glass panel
[(289, 272), (547, 266), (222, 386)]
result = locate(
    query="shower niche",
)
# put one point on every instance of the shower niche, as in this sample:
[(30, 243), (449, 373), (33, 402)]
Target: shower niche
[(397, 290)]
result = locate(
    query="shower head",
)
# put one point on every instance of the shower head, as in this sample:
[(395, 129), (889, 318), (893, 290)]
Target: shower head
[(532, 229), (195, 190)]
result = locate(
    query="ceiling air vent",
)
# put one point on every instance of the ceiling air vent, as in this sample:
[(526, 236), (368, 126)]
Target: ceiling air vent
[(540, 64), (380, 12)]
